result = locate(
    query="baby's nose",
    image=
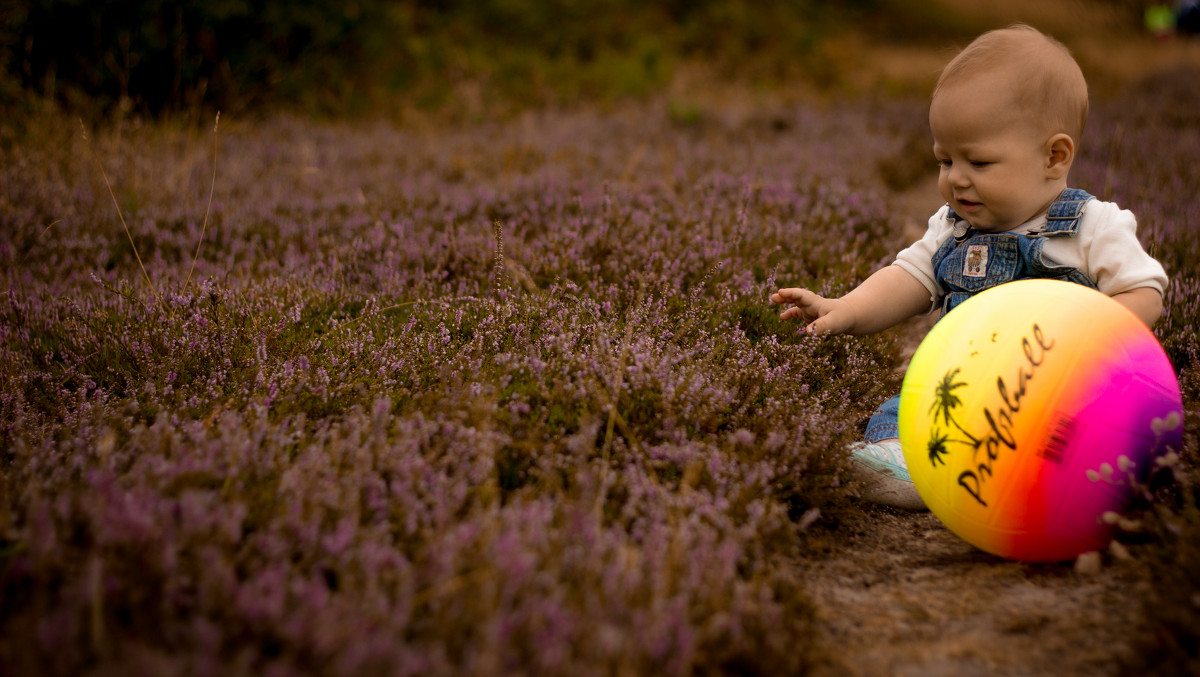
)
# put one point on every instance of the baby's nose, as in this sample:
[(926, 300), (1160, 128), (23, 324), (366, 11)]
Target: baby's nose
[(958, 177)]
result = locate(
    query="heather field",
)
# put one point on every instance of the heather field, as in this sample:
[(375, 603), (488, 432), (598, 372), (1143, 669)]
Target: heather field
[(504, 397)]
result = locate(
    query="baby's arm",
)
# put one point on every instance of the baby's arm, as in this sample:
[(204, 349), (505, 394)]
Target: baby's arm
[(1145, 302), (885, 299)]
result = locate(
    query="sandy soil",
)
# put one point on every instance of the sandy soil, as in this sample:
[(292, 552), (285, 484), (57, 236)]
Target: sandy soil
[(902, 595)]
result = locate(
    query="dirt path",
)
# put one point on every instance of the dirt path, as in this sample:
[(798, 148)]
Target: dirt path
[(902, 595)]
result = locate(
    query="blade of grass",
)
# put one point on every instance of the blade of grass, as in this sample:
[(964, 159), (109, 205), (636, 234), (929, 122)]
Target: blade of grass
[(121, 215), (208, 210)]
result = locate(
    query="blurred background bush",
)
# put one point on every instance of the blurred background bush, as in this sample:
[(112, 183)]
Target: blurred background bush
[(335, 57), (342, 57)]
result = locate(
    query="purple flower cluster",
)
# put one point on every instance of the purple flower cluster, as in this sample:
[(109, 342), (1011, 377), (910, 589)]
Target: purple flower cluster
[(489, 400)]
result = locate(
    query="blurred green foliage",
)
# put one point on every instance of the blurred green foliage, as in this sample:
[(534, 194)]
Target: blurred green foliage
[(161, 55), (342, 57)]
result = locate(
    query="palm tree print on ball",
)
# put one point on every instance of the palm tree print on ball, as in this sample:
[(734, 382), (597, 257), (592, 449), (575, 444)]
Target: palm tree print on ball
[(944, 403), (937, 447)]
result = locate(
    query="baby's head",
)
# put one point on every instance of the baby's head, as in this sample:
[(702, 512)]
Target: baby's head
[(1042, 77), (1007, 115)]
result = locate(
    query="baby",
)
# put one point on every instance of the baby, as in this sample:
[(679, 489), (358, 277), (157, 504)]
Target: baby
[(1006, 115)]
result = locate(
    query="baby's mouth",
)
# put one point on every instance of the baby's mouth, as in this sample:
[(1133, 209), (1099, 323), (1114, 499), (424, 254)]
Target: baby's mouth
[(968, 204)]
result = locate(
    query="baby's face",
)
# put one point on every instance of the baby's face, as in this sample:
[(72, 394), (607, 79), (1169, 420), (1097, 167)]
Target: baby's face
[(993, 159)]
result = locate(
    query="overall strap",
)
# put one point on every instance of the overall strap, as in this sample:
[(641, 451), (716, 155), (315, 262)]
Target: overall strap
[(1064, 214)]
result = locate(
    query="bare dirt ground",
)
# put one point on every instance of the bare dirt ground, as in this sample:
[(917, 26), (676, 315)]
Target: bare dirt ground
[(902, 595)]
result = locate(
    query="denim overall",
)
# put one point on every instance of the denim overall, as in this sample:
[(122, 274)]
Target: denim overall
[(970, 262)]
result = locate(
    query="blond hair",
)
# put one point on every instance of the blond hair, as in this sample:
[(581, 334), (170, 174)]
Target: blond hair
[(1052, 87)]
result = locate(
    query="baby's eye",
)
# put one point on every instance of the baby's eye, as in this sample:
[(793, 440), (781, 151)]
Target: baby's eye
[(946, 163), (980, 164)]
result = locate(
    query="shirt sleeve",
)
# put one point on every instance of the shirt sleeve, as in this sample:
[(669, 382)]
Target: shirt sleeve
[(917, 258), (1107, 249)]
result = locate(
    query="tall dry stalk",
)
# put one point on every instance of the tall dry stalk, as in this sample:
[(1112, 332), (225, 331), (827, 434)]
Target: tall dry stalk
[(121, 215), (211, 188)]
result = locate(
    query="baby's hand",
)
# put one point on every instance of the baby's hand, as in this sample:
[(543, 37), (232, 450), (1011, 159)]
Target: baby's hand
[(822, 315)]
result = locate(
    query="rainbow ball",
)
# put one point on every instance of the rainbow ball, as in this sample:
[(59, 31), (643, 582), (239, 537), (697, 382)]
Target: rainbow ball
[(1030, 411)]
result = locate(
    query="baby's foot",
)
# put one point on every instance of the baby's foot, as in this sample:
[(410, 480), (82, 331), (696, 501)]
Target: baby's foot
[(883, 472)]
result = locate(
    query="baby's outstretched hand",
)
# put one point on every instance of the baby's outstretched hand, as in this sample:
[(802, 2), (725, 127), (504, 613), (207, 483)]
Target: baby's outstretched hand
[(821, 315)]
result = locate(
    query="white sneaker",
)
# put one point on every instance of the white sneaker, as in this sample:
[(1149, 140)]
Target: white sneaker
[(883, 472)]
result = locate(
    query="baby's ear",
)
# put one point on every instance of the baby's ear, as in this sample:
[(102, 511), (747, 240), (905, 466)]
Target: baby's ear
[(1060, 153)]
